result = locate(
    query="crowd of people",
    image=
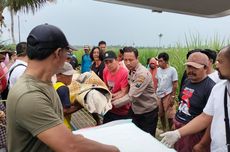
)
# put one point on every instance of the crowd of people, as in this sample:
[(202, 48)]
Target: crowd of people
[(39, 111)]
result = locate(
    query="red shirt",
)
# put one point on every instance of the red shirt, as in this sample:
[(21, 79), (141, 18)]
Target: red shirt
[(115, 83), (3, 80)]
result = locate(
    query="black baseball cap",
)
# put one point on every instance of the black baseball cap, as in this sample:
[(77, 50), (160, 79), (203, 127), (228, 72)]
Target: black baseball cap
[(109, 55), (46, 36)]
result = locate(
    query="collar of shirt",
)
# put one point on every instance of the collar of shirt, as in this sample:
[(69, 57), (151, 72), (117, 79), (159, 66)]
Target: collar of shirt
[(134, 71)]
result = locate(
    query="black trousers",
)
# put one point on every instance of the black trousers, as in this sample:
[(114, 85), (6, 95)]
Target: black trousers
[(109, 116), (146, 121)]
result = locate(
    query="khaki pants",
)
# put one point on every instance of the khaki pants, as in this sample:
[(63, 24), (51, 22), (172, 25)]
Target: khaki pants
[(166, 107)]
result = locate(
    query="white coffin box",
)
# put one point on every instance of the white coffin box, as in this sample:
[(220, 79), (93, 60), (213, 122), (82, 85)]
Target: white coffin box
[(125, 135)]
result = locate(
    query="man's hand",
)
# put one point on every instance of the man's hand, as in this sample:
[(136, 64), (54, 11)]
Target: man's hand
[(172, 100), (199, 148), (170, 138), (77, 105)]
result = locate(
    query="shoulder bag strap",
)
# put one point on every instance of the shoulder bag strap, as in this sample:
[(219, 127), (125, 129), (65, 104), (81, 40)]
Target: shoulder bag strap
[(10, 72), (226, 119)]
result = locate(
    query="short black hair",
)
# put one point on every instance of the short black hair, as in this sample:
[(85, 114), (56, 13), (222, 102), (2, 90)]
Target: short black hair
[(192, 51), (21, 48), (164, 56), (101, 42), (131, 49), (121, 51), (211, 54), (100, 53), (148, 59)]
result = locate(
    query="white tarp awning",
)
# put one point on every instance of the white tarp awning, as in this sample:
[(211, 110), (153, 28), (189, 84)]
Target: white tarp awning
[(204, 8)]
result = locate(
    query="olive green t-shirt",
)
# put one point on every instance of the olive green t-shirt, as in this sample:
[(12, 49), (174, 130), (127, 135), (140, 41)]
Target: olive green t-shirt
[(33, 106)]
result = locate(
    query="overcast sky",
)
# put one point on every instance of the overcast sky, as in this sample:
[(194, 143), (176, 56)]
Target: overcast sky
[(88, 21)]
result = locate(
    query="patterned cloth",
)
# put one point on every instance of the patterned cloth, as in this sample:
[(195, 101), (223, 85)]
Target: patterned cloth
[(85, 83), (186, 143), (2, 128)]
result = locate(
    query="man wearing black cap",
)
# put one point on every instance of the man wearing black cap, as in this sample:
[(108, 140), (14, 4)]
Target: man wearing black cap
[(116, 79), (34, 111)]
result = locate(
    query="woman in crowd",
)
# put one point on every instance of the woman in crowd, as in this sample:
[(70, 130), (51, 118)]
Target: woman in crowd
[(98, 65)]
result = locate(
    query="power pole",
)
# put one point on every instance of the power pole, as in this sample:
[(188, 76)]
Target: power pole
[(12, 25), (19, 30)]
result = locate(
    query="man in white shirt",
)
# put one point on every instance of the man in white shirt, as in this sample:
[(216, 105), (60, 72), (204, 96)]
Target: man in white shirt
[(167, 78), (19, 66)]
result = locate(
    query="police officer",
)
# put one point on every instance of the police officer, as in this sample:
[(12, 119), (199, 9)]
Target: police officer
[(144, 109)]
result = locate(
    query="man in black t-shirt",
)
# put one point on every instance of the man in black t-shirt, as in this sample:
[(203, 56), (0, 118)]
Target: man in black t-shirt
[(193, 98)]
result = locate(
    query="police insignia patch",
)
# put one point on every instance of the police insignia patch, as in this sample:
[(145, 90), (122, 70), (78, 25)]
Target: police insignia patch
[(139, 81), (138, 85)]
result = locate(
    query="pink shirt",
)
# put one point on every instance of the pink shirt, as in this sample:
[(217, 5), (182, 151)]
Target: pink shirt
[(115, 83)]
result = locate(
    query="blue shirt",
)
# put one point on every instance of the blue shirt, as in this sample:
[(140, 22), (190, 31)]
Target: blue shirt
[(63, 93), (86, 63)]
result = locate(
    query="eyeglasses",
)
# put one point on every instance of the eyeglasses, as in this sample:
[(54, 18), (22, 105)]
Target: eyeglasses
[(66, 49)]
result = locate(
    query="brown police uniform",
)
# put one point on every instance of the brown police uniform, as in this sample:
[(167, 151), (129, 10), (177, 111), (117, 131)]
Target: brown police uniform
[(144, 101)]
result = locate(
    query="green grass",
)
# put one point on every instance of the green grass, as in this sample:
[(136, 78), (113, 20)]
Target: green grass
[(177, 54)]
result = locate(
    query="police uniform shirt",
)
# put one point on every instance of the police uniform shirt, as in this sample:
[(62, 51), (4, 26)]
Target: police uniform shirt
[(141, 90)]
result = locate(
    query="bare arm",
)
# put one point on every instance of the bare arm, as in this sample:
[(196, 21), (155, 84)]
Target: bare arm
[(175, 84), (115, 94), (69, 110), (60, 139), (204, 142), (121, 93), (173, 93), (121, 101), (74, 107), (197, 124), (2, 115)]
